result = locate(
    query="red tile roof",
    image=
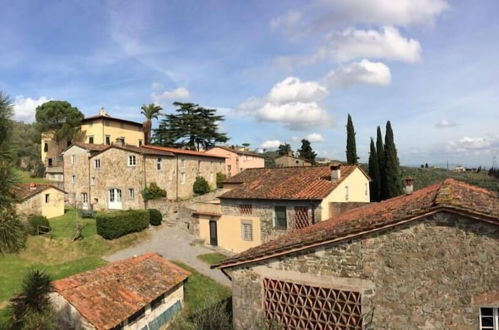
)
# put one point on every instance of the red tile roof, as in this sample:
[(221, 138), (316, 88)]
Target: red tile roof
[(139, 150), (183, 151), (99, 117), (239, 152), (289, 183), (111, 294), (27, 190), (90, 146), (449, 195)]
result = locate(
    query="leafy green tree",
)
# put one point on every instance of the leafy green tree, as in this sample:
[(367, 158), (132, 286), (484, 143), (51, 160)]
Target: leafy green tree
[(25, 140), (374, 173), (151, 112), (201, 186), (191, 126), (284, 149), (351, 145), (380, 150), (32, 309), (392, 166), (60, 118), (306, 152), (12, 234)]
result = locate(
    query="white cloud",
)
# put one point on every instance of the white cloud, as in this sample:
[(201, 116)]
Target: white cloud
[(174, 94), (270, 144), (291, 103), (385, 44), (445, 123), (157, 86), (315, 137), (290, 19), (363, 72), (473, 144), (25, 107), (393, 12)]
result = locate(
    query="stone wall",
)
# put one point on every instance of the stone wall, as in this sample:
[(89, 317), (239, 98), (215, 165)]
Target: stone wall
[(76, 163), (265, 211), (420, 275)]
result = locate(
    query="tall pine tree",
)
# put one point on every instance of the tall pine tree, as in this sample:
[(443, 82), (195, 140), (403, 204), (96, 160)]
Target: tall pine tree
[(380, 150), (374, 173), (306, 152), (392, 166), (351, 147)]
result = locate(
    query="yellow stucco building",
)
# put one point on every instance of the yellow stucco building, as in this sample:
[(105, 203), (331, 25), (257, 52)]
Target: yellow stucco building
[(39, 199), (262, 204)]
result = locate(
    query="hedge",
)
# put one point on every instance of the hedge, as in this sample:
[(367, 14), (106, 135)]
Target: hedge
[(201, 186), (35, 221), (111, 225), (155, 217)]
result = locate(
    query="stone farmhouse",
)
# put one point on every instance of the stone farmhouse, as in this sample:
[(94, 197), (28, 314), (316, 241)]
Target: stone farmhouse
[(237, 160), (113, 176), (39, 199), (262, 204), (428, 259), (119, 296), (290, 160), (99, 129)]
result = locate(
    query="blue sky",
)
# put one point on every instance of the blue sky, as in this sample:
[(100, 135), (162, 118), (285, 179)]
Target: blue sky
[(278, 70)]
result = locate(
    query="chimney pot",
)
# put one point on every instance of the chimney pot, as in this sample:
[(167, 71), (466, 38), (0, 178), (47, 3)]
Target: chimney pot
[(32, 186), (335, 171), (409, 185)]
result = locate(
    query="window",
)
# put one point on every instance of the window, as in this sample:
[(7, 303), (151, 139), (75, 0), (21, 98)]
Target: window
[(182, 178), (131, 160), (108, 139), (84, 198), (92, 181), (97, 163), (45, 146), (158, 163), (245, 208), (489, 318), (157, 302), (131, 193), (50, 162), (73, 159), (182, 163), (91, 139), (47, 198), (346, 193), (140, 143), (73, 179), (301, 217), (247, 230), (137, 316), (281, 220)]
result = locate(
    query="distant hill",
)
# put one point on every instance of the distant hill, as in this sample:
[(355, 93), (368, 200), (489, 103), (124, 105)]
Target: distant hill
[(426, 176)]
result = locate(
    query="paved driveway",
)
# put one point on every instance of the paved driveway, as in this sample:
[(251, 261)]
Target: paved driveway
[(173, 244)]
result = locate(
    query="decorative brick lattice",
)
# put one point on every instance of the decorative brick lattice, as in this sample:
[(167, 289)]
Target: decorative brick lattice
[(245, 208), (299, 306), (301, 217)]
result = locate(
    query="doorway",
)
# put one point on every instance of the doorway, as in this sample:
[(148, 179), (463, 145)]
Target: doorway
[(114, 199), (213, 233)]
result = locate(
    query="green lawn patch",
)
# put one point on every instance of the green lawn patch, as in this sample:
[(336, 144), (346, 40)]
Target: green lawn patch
[(201, 290), (25, 177), (212, 258)]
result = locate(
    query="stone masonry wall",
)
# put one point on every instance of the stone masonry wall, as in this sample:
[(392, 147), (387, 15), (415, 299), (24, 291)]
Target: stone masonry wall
[(76, 164), (424, 273), (265, 210)]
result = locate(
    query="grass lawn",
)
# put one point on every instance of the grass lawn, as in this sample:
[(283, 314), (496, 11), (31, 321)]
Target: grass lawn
[(24, 177), (199, 288), (59, 255), (212, 258)]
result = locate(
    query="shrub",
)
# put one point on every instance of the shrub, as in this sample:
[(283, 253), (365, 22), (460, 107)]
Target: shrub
[(35, 221), (86, 214), (111, 225), (155, 217), (201, 186), (153, 192), (220, 179)]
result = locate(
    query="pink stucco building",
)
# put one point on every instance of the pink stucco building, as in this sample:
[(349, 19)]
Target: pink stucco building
[(237, 160)]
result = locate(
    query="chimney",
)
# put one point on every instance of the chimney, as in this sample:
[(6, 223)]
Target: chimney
[(335, 171), (102, 112), (32, 186), (290, 153), (409, 185)]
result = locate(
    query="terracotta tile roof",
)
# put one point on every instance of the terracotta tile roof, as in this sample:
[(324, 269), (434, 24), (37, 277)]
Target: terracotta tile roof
[(449, 195), (289, 183), (99, 117), (27, 190), (110, 294), (90, 146), (139, 150), (240, 152), (183, 151)]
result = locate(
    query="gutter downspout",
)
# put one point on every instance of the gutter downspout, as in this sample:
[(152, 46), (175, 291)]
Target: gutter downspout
[(176, 186)]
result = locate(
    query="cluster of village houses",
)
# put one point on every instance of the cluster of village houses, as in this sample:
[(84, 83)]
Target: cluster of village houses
[(309, 250)]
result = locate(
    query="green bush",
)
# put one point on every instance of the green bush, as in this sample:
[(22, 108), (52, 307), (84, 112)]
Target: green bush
[(220, 179), (35, 221), (86, 214), (153, 192), (155, 217), (201, 186), (111, 225)]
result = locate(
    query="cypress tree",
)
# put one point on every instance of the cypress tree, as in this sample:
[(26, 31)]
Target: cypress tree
[(351, 147), (380, 150), (374, 173), (392, 166)]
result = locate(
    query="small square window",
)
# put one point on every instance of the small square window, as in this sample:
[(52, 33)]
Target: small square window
[(108, 139), (50, 162), (92, 181), (281, 221), (132, 160), (247, 230), (245, 209), (73, 179), (96, 163), (131, 193), (91, 139), (47, 198), (158, 163), (140, 143), (182, 178), (346, 193)]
